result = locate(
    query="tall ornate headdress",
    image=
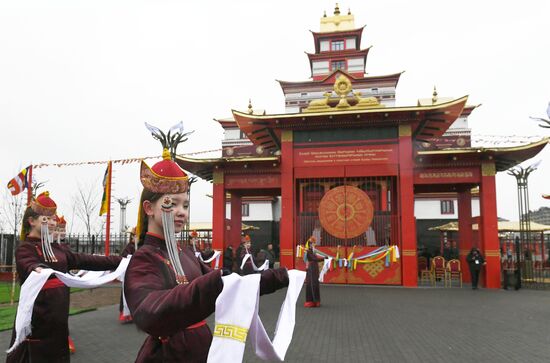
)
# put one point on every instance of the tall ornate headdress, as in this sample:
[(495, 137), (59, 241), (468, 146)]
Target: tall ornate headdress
[(44, 206), (166, 177)]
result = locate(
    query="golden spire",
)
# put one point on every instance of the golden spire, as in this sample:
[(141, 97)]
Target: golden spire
[(337, 22), (250, 110), (434, 96)]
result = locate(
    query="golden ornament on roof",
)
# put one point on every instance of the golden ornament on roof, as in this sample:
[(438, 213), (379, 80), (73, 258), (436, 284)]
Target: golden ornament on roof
[(346, 99)]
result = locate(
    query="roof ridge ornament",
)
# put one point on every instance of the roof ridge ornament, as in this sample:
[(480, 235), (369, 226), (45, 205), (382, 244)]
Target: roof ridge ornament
[(434, 96), (344, 90)]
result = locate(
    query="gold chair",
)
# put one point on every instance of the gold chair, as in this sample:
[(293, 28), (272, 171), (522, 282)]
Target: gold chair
[(454, 272), (438, 270), (423, 271)]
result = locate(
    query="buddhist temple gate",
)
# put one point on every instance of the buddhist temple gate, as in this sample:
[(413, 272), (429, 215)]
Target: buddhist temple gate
[(347, 168)]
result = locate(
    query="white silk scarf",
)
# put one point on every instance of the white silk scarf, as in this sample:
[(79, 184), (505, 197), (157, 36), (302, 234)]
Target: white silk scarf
[(34, 283), (237, 318), (265, 265)]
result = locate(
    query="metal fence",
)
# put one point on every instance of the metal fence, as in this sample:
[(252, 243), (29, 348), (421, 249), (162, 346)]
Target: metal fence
[(533, 256), (94, 244)]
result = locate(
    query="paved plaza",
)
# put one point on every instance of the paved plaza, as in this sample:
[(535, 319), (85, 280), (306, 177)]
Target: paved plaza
[(371, 324)]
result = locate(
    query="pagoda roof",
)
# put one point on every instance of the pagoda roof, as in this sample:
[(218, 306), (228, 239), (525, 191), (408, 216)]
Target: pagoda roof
[(327, 80), (503, 226), (331, 55), (204, 168), (358, 32), (504, 157), (426, 121), (342, 53)]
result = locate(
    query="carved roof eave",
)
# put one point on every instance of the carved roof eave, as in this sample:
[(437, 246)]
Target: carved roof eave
[(326, 56), (358, 32), (390, 77), (504, 157), (265, 130), (204, 168)]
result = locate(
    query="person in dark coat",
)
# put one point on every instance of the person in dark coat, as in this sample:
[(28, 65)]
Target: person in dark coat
[(447, 252), (228, 260), (313, 296), (169, 291), (455, 253), (247, 269), (128, 250), (475, 261), (266, 254), (50, 316)]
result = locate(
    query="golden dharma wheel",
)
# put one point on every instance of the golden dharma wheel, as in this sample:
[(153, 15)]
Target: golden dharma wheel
[(346, 212)]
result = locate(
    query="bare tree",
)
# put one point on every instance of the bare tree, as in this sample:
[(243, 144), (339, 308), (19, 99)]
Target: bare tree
[(13, 208), (86, 204)]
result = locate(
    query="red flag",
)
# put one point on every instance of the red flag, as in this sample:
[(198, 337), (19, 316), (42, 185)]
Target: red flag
[(19, 183)]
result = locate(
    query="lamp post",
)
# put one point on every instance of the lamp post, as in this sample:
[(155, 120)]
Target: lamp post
[(522, 175), (123, 202)]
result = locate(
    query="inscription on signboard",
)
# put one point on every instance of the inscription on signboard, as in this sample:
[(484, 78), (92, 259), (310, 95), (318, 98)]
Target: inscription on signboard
[(449, 174), (263, 181), (345, 155)]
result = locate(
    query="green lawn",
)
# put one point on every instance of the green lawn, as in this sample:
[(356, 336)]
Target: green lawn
[(5, 292)]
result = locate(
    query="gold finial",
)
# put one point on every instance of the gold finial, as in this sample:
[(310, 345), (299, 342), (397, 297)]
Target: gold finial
[(166, 154), (434, 96), (349, 11), (324, 14), (336, 10), (250, 110)]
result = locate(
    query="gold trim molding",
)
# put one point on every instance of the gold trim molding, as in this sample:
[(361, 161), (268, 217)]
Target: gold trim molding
[(405, 130), (217, 177), (409, 253), (286, 252), (286, 136), (488, 168)]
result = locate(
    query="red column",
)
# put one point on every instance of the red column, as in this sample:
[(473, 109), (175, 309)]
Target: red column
[(236, 221), (287, 201), (406, 208), (465, 235), (489, 225), (218, 212)]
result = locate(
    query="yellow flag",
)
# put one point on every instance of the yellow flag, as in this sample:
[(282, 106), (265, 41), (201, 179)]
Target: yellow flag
[(105, 200)]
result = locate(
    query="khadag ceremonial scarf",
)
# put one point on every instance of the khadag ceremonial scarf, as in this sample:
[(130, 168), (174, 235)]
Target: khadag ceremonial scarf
[(34, 283), (237, 318)]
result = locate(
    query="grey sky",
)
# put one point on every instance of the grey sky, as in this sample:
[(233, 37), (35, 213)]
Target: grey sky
[(79, 78)]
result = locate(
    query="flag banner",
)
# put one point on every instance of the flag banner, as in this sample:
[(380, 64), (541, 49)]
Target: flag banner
[(106, 191), (19, 183)]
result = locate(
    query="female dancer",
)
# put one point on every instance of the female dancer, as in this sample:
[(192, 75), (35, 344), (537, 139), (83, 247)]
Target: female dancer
[(50, 328), (168, 290), (313, 297)]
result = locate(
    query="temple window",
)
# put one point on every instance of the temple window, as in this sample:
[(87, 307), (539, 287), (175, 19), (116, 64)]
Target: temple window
[(447, 207), (337, 45), (338, 64), (245, 209)]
